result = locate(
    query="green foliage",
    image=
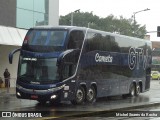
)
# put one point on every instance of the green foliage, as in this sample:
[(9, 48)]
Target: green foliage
[(110, 23)]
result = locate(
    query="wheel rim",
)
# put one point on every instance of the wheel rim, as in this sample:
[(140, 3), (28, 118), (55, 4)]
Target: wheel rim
[(132, 91), (79, 95), (138, 89), (90, 94)]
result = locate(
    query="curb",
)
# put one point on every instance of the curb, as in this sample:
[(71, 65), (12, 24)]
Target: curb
[(110, 113), (122, 109)]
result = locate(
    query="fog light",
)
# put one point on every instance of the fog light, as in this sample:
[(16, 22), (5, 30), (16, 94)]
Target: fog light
[(53, 96), (18, 94)]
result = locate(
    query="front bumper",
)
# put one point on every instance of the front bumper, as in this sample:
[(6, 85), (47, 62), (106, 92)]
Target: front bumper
[(154, 77), (40, 95)]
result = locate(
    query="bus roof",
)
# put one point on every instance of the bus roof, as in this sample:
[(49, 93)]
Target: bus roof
[(84, 28), (60, 27)]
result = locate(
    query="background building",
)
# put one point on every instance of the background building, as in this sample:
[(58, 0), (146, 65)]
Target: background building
[(16, 16), (156, 56)]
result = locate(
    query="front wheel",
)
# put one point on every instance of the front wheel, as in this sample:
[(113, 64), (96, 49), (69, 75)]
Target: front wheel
[(80, 96)]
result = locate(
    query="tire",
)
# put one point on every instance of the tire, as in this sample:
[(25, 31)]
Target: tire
[(138, 89), (79, 97), (132, 90), (91, 95)]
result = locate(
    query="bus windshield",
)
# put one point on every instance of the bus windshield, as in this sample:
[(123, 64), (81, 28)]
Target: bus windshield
[(38, 70), (44, 40)]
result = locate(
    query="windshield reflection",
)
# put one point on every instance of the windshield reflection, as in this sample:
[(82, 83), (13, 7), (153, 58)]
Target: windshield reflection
[(37, 70)]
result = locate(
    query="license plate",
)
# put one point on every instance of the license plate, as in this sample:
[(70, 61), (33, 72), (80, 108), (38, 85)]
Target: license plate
[(34, 96)]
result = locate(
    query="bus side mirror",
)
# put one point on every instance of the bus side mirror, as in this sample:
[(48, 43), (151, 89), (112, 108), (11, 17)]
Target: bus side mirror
[(11, 55), (10, 58), (68, 55)]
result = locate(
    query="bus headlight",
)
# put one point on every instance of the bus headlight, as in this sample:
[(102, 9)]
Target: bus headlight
[(18, 94), (53, 96)]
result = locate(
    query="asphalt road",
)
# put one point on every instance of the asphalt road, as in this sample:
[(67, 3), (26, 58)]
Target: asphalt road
[(9, 102), (149, 113)]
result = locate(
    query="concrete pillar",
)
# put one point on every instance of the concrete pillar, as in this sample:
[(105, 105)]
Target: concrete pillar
[(53, 12)]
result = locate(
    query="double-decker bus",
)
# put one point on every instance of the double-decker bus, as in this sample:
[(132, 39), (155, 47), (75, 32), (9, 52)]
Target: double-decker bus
[(79, 64)]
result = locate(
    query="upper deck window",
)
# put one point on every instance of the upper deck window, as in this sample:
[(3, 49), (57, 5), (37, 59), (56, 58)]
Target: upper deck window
[(76, 39), (46, 37), (45, 40)]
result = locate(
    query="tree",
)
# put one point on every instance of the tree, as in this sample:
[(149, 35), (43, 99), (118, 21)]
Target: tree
[(111, 23)]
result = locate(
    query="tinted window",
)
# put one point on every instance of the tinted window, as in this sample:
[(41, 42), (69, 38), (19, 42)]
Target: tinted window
[(44, 40), (38, 70), (46, 37), (75, 39), (94, 42), (102, 42)]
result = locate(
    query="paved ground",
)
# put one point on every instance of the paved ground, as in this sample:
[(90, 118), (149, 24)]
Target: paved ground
[(150, 97), (6, 91), (147, 99)]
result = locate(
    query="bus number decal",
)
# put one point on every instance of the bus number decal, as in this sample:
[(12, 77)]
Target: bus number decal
[(136, 55)]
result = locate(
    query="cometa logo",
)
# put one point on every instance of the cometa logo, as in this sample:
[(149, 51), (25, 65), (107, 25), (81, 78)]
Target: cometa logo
[(107, 59)]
